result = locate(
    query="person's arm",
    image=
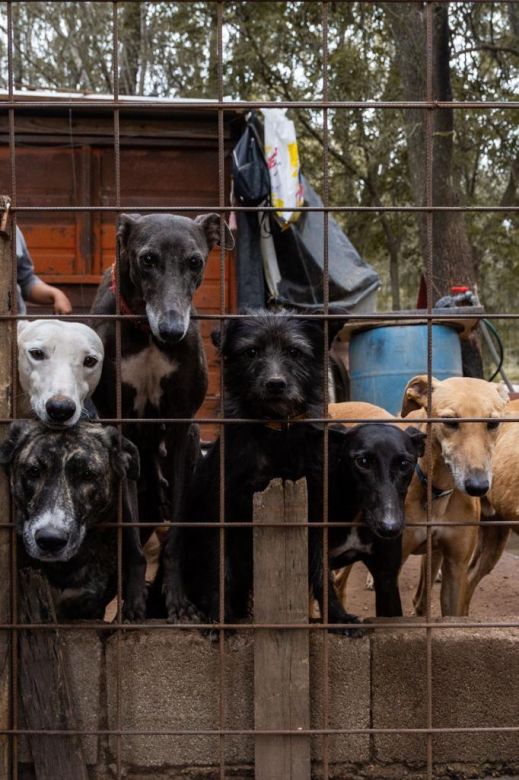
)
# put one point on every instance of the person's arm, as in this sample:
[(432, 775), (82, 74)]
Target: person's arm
[(43, 294), (31, 286)]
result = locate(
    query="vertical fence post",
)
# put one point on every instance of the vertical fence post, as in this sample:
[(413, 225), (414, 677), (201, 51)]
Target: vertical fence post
[(5, 516), (281, 657)]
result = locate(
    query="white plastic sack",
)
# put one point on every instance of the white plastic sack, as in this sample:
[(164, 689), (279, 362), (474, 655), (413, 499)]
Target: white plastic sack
[(283, 162)]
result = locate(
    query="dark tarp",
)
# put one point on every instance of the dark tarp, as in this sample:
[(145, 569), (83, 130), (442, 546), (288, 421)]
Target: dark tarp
[(300, 257)]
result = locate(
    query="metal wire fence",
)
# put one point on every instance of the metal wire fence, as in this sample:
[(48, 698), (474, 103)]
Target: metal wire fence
[(118, 104)]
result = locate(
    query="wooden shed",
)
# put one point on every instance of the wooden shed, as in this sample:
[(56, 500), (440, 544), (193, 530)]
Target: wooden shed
[(66, 157)]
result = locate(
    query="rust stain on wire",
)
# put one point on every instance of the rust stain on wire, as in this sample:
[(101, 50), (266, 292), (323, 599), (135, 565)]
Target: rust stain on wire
[(117, 103)]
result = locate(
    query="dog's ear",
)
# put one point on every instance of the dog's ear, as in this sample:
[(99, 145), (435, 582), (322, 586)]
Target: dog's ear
[(22, 324), (418, 439), (210, 224), (15, 436), (316, 327), (216, 338), (125, 224), (503, 392), (124, 455), (335, 326), (415, 394)]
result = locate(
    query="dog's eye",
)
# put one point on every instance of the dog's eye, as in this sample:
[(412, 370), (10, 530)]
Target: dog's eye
[(453, 424), (33, 472), (148, 260), (37, 354), (492, 426), (404, 464), (293, 352), (90, 361), (88, 474), (195, 262), (251, 352), (362, 462)]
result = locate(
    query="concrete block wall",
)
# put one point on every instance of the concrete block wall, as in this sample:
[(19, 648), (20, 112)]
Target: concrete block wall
[(170, 679)]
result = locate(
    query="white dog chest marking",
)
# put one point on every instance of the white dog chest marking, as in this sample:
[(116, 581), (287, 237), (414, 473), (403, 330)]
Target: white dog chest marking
[(352, 544), (144, 372)]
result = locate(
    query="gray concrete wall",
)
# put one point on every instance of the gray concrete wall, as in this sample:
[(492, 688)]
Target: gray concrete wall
[(170, 680)]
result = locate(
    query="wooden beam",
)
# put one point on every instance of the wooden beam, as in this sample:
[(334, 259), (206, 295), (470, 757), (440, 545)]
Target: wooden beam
[(5, 514), (45, 689), (281, 657)]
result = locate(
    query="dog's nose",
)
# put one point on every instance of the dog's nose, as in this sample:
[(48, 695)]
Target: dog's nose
[(172, 329), (276, 384), (51, 541), (60, 409), (477, 486)]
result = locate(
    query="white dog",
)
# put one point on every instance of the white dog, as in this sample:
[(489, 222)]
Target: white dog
[(59, 365)]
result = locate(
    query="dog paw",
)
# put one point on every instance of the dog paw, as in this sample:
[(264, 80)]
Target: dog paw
[(185, 612), (134, 609), (352, 633)]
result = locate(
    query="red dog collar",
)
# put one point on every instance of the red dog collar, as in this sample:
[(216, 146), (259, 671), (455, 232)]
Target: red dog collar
[(123, 306)]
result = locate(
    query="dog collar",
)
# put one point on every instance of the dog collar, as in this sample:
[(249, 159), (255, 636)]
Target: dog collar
[(123, 306), (436, 492), (281, 425)]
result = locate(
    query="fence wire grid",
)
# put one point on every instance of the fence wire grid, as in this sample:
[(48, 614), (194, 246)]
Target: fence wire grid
[(118, 104)]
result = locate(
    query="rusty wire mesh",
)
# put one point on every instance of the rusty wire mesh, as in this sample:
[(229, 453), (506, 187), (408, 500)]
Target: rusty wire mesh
[(116, 104)]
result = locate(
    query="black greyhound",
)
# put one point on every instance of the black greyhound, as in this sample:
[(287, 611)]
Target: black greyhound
[(64, 485), (164, 372), (370, 471)]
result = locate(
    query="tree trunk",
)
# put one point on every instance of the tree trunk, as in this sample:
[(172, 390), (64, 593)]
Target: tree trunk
[(130, 56), (453, 257)]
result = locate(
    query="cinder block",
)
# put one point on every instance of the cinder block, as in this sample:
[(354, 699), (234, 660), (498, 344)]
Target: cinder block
[(475, 678), (348, 683), (83, 650), (170, 680)]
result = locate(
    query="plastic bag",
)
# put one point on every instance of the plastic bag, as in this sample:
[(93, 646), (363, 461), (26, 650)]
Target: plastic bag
[(283, 163), (249, 169)]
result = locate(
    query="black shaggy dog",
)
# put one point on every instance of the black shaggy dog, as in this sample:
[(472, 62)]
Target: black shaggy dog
[(64, 484), (272, 366)]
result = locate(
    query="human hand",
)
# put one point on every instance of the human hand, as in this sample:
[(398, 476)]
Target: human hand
[(61, 303)]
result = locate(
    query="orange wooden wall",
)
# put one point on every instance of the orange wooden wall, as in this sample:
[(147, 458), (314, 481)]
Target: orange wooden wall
[(71, 250)]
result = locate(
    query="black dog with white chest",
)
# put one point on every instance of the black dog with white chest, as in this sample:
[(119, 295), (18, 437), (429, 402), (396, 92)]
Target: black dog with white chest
[(65, 485), (272, 365), (370, 470), (162, 259)]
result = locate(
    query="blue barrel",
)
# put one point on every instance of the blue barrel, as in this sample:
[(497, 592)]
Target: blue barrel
[(384, 359)]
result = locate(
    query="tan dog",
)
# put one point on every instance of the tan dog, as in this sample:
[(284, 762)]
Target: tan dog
[(461, 472), (461, 454), (502, 503), (355, 411)]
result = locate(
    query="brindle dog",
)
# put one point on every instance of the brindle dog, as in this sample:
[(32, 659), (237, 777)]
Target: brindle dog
[(64, 485)]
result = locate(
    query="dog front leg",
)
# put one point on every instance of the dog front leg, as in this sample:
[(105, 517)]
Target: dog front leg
[(492, 540), (336, 613), (454, 587), (134, 561), (179, 608), (420, 597), (384, 565)]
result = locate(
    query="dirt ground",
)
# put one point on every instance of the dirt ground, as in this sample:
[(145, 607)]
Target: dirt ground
[(497, 595)]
